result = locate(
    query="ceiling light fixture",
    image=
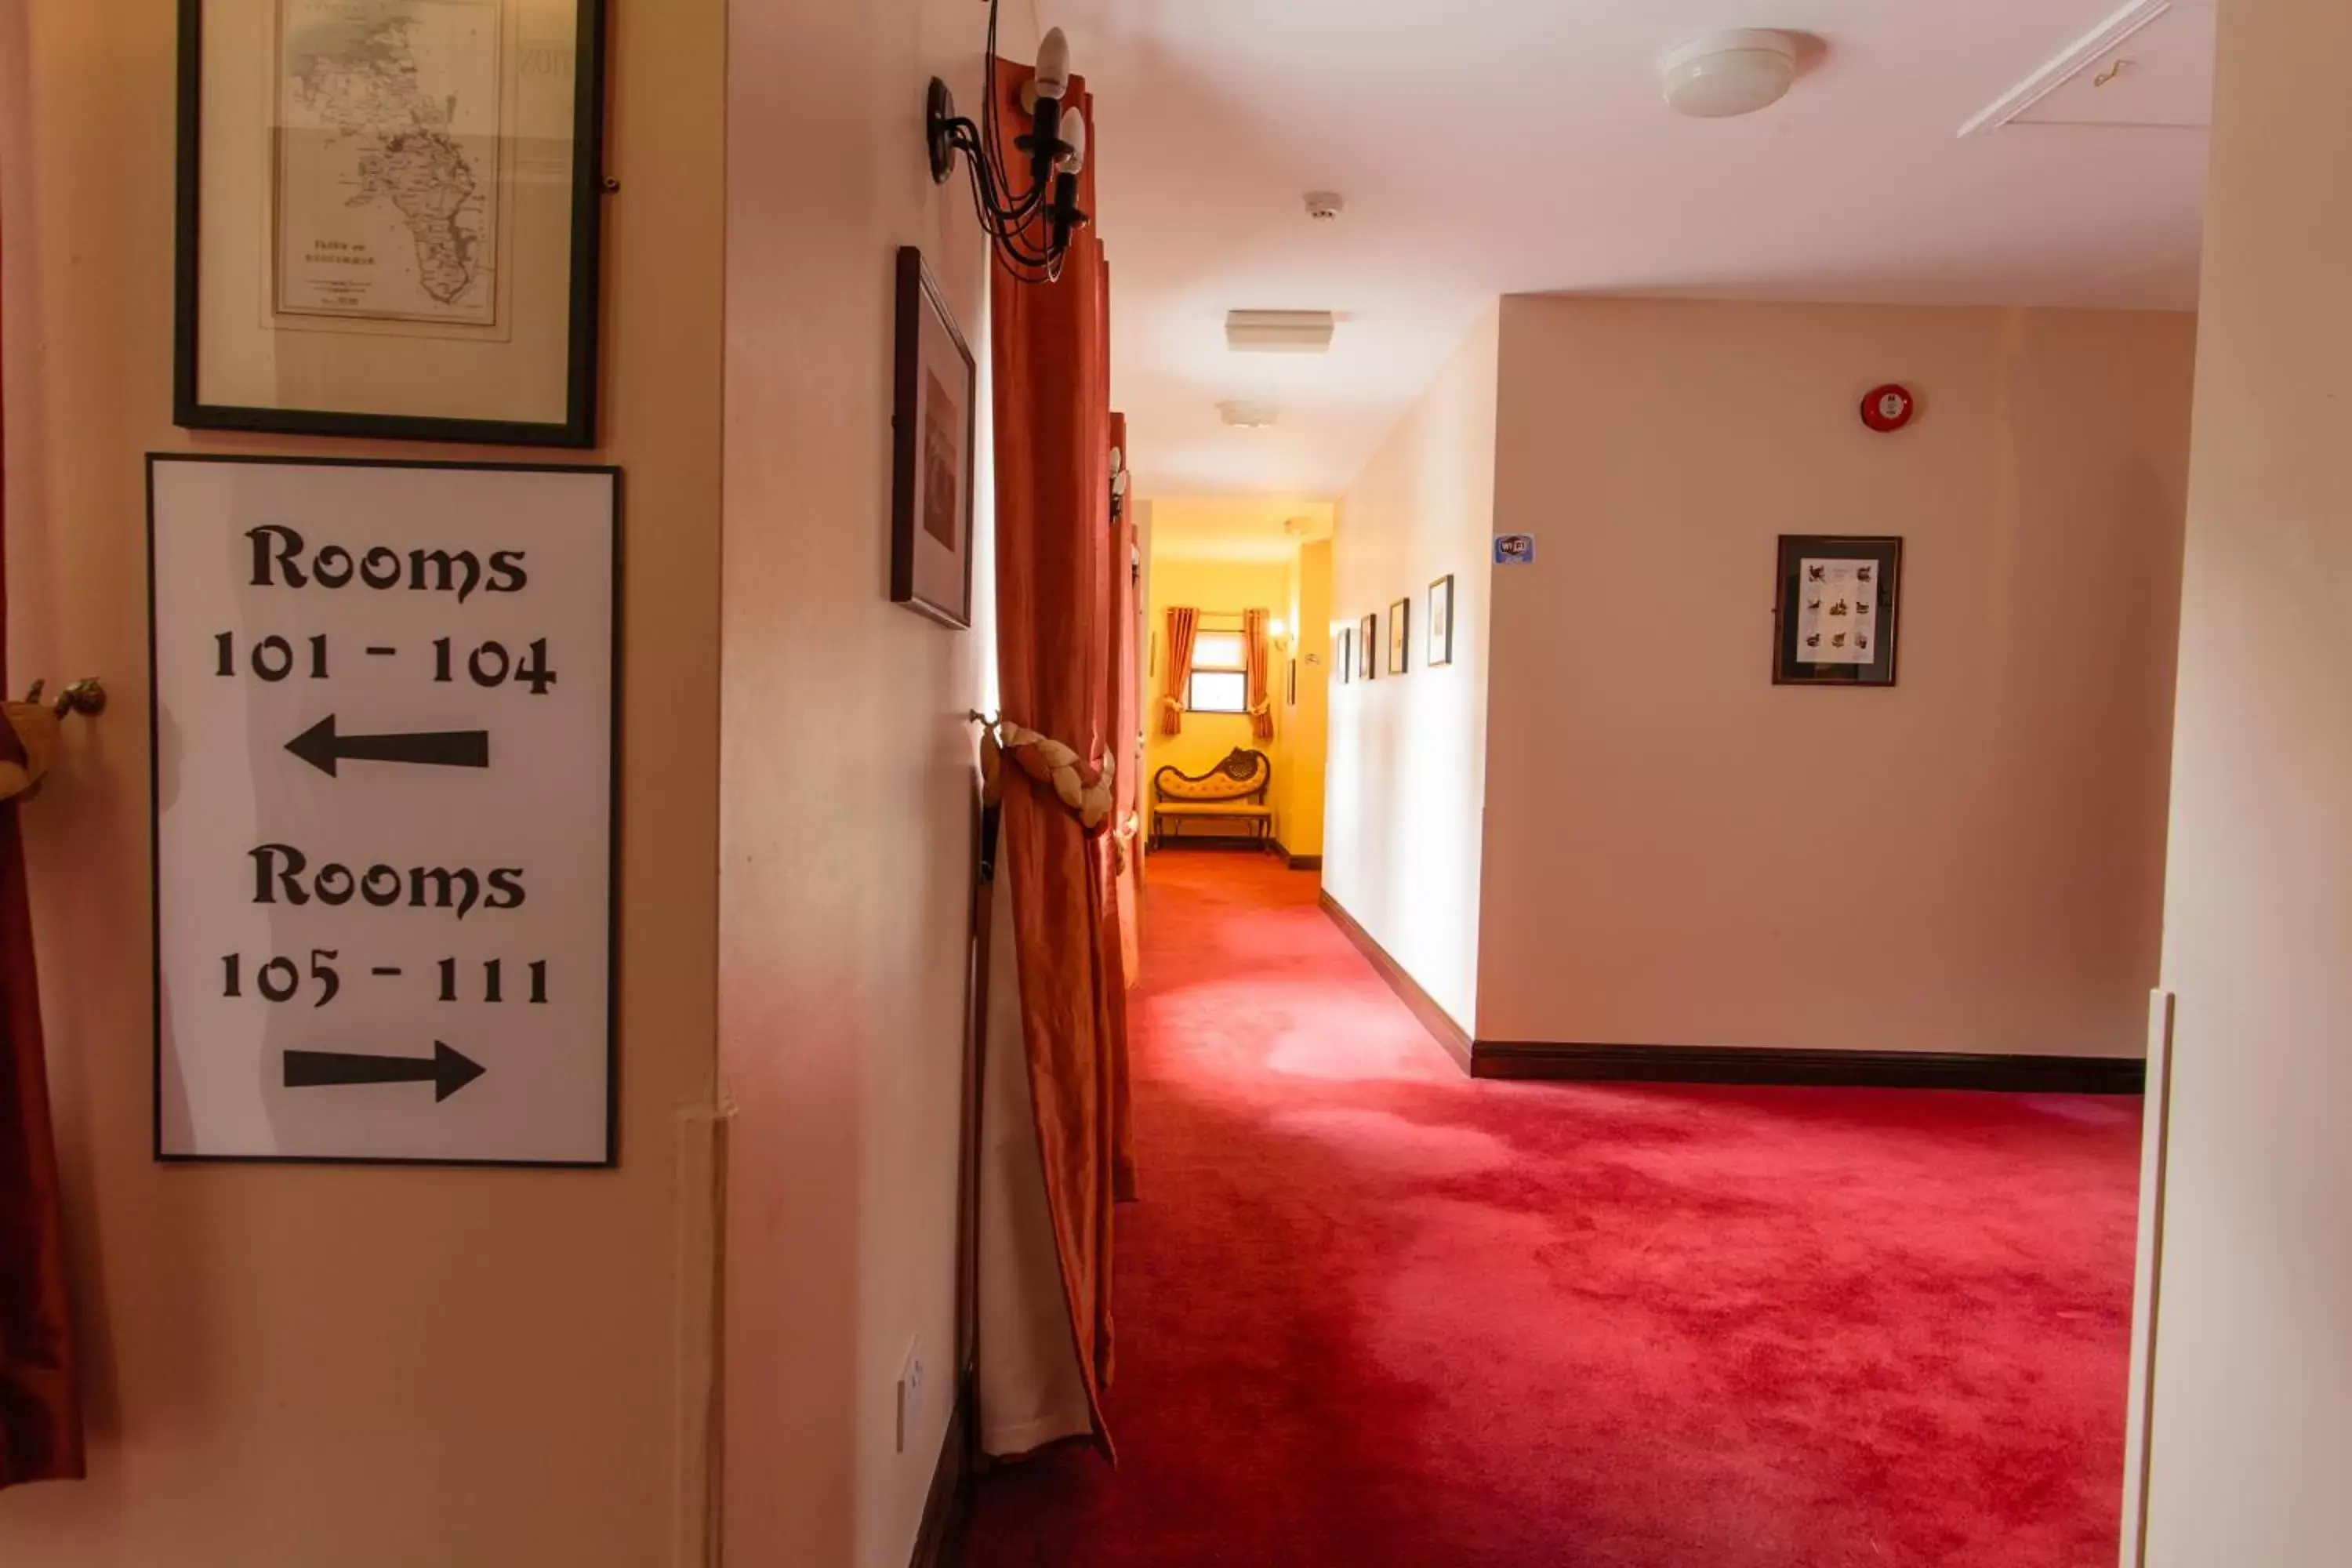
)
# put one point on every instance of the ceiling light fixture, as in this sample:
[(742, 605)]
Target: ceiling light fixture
[(1029, 229), (1245, 415), (1724, 74), (1279, 332)]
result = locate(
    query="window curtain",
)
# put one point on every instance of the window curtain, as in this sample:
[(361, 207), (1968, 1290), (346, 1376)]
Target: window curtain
[(40, 1411), (1257, 660), (1057, 641), (1183, 625)]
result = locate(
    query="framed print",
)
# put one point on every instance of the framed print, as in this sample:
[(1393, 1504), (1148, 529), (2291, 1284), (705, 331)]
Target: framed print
[(389, 218), (1400, 637), (1835, 623), (1440, 622), (1294, 684), (1368, 636), (1344, 647), (934, 423)]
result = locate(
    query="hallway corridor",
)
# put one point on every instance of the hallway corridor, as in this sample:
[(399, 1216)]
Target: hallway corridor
[(1373, 1315)]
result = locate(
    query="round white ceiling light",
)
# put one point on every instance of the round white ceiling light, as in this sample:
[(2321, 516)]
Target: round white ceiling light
[(1724, 74)]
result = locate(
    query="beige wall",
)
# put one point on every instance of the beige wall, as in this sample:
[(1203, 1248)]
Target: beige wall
[(292, 1367), (1406, 781), (2253, 1430), (848, 787), (1680, 852)]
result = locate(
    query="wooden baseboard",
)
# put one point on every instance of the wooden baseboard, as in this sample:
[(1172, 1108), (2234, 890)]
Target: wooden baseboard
[(1214, 841), (1708, 1064), (1297, 862), (1434, 1018), (943, 1509), (1844, 1070)]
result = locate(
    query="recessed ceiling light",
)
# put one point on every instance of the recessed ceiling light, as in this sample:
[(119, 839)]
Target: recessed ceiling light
[(1279, 332), (1245, 415), (1724, 74)]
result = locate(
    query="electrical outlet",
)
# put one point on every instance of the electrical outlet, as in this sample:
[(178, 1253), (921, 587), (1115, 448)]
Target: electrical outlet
[(910, 1393)]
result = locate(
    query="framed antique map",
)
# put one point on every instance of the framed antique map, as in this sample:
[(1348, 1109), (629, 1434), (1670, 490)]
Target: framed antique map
[(388, 219), (1836, 620)]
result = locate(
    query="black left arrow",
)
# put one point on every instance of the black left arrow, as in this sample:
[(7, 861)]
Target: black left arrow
[(445, 1070), (321, 748)]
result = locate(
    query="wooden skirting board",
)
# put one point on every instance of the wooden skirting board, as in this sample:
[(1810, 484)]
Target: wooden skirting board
[(1434, 1018), (1741, 1065), (1298, 862)]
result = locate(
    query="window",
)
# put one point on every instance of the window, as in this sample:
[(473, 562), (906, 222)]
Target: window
[(1220, 684)]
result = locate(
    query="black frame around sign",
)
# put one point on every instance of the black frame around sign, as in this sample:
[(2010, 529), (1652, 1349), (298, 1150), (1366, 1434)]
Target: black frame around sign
[(612, 1159), (1788, 669), (918, 292), (579, 427)]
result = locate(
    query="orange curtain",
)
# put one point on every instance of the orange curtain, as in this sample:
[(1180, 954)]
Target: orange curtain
[(1183, 625), (1056, 641), (1257, 660), (40, 1408), (1125, 705)]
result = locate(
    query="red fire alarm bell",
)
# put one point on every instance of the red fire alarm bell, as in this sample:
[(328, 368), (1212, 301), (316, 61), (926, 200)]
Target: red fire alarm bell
[(1888, 407)]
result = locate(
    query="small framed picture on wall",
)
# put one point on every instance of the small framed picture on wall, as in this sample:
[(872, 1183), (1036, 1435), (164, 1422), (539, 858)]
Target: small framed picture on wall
[(1836, 621), (1368, 642), (1293, 683), (1343, 649), (1400, 637), (933, 422), (1441, 621)]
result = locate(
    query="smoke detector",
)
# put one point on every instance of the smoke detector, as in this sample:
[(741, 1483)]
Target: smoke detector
[(1324, 207), (1724, 74), (1279, 332), (1245, 415)]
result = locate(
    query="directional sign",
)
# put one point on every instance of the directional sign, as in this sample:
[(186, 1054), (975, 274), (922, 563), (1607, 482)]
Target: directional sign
[(384, 811)]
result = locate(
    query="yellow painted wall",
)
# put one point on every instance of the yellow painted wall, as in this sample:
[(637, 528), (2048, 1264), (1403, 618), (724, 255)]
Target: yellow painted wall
[(1305, 725), (1210, 585), (1295, 590)]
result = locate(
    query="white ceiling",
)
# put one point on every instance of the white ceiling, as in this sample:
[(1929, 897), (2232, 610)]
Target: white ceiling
[(1505, 146)]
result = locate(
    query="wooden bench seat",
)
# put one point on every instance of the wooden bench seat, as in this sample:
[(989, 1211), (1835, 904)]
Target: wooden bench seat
[(1231, 792)]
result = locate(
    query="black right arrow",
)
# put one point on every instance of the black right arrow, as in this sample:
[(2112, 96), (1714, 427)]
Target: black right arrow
[(321, 748), (446, 1070)]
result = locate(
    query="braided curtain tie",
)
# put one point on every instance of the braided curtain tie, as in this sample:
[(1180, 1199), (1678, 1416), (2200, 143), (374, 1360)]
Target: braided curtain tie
[(1047, 761)]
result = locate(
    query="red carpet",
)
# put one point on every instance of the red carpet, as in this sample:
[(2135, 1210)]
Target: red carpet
[(1372, 1315)]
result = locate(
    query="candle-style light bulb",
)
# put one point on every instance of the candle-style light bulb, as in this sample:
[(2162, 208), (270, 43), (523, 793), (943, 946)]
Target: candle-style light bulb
[(1052, 79), (1073, 132)]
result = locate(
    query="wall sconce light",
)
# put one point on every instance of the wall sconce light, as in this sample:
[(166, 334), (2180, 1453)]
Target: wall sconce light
[(1278, 632), (1030, 229)]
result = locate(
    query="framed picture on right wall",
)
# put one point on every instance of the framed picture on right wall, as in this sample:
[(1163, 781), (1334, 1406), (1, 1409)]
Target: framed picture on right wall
[(1367, 643), (1440, 622), (1343, 648), (1836, 619)]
